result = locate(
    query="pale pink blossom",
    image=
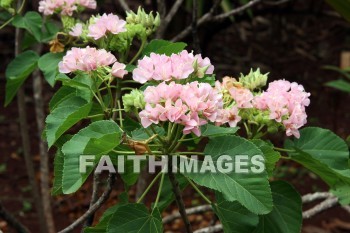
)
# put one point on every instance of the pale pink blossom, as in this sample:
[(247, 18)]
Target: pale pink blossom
[(77, 30), (229, 116), (191, 105), (286, 103), (64, 7), (106, 24), (175, 67), (85, 59), (118, 70), (242, 96)]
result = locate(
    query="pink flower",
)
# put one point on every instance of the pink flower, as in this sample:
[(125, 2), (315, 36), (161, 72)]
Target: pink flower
[(64, 7), (85, 59), (229, 116), (104, 24), (77, 30), (164, 68), (118, 70), (242, 96), (286, 103), (190, 105)]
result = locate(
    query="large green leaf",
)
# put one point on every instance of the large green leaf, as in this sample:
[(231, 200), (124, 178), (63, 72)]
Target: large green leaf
[(135, 218), (250, 189), (61, 95), (97, 139), (234, 217), (209, 130), (64, 116), (286, 215), (271, 156), (163, 47), (342, 6), (340, 84), (101, 226), (323, 145), (31, 21), (17, 72), (48, 64), (326, 155)]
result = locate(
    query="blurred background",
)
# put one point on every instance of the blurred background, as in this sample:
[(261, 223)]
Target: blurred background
[(306, 41)]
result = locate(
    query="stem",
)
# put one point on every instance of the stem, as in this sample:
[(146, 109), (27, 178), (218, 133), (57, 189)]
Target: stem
[(191, 153), (283, 150), (120, 114), (149, 187), (94, 198), (178, 198), (12, 221), (159, 190), (143, 43), (199, 191), (124, 152)]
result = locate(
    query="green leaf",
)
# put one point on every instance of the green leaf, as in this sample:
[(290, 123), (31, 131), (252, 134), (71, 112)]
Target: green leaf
[(48, 64), (286, 215), (141, 134), (50, 31), (209, 130), (163, 47), (64, 116), (58, 172), (99, 138), (31, 21), (250, 189), (135, 218), (345, 72), (326, 155), (271, 156), (340, 84), (323, 145), (17, 72), (61, 94), (101, 226), (234, 217), (342, 6)]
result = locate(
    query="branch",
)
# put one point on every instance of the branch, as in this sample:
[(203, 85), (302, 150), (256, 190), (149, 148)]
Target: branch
[(205, 18), (8, 217), (124, 5), (235, 11), (94, 198), (167, 19), (178, 198), (326, 204), (211, 229), (315, 196), (196, 45), (94, 207), (190, 211)]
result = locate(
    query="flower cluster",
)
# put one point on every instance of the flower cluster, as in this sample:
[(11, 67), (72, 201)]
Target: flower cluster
[(285, 103), (177, 66), (190, 105), (77, 30), (100, 26), (88, 59), (64, 7)]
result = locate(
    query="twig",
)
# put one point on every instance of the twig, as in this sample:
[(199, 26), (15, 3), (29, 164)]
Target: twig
[(26, 140), (276, 3), (161, 9), (196, 45), (326, 204), (235, 11), (167, 19), (315, 196), (190, 211), (94, 198), (94, 207), (208, 17), (178, 198), (11, 220), (211, 229), (124, 5), (44, 157)]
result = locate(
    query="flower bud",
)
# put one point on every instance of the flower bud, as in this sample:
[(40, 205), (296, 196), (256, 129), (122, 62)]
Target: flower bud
[(133, 100), (253, 80), (148, 21)]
